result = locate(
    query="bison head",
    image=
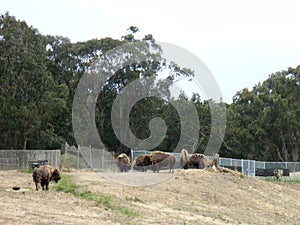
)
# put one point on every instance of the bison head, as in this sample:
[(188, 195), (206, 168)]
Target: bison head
[(55, 175), (188, 165)]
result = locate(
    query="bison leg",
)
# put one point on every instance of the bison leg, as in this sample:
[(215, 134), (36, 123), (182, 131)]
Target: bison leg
[(154, 168), (157, 168), (36, 186), (43, 183)]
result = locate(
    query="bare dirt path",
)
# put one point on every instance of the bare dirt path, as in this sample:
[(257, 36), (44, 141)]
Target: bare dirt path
[(188, 197)]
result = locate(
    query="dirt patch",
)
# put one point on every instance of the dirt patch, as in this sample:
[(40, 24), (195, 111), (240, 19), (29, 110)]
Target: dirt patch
[(188, 197)]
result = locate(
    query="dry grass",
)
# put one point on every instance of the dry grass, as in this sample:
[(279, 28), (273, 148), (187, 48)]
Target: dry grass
[(188, 197)]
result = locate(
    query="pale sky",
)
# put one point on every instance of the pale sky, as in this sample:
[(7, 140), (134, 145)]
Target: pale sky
[(241, 42)]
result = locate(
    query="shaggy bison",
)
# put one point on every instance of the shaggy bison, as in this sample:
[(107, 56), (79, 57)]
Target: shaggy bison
[(184, 157), (159, 159), (142, 162), (44, 175), (198, 161), (123, 162)]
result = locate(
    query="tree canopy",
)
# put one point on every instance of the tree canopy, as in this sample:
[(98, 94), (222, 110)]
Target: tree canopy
[(39, 75)]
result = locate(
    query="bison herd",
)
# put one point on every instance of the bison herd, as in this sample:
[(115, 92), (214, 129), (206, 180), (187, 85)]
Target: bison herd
[(157, 159)]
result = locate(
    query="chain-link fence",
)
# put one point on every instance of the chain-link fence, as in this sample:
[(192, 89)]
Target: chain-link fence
[(87, 158)]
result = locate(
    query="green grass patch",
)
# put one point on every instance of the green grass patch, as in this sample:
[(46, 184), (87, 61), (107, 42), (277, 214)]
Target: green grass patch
[(99, 199), (129, 212), (287, 180), (292, 180), (27, 170), (66, 185), (108, 202)]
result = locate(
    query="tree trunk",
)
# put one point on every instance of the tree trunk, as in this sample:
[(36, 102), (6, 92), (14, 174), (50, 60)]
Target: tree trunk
[(279, 154), (295, 150), (25, 143), (284, 148)]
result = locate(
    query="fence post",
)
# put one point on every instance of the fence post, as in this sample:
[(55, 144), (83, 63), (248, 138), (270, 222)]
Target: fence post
[(56, 164), (66, 147), (242, 161), (254, 168), (249, 168)]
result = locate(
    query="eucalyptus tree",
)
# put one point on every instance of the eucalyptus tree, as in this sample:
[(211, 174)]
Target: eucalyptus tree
[(264, 123), (30, 98)]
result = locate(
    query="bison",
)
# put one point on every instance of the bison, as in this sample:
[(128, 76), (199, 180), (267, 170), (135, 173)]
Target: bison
[(44, 175), (214, 163), (198, 161), (184, 157), (123, 162), (142, 162), (159, 159)]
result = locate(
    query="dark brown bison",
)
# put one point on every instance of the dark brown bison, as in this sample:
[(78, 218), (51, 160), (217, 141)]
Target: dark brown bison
[(142, 162), (198, 161), (44, 175), (160, 159), (184, 157), (123, 162)]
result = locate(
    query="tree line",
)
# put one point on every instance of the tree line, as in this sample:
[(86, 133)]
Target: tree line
[(39, 75)]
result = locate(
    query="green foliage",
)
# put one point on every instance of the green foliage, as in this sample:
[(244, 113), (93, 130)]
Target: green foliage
[(264, 123), (31, 101)]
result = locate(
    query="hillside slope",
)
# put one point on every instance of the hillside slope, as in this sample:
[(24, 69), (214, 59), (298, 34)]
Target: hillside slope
[(188, 197)]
